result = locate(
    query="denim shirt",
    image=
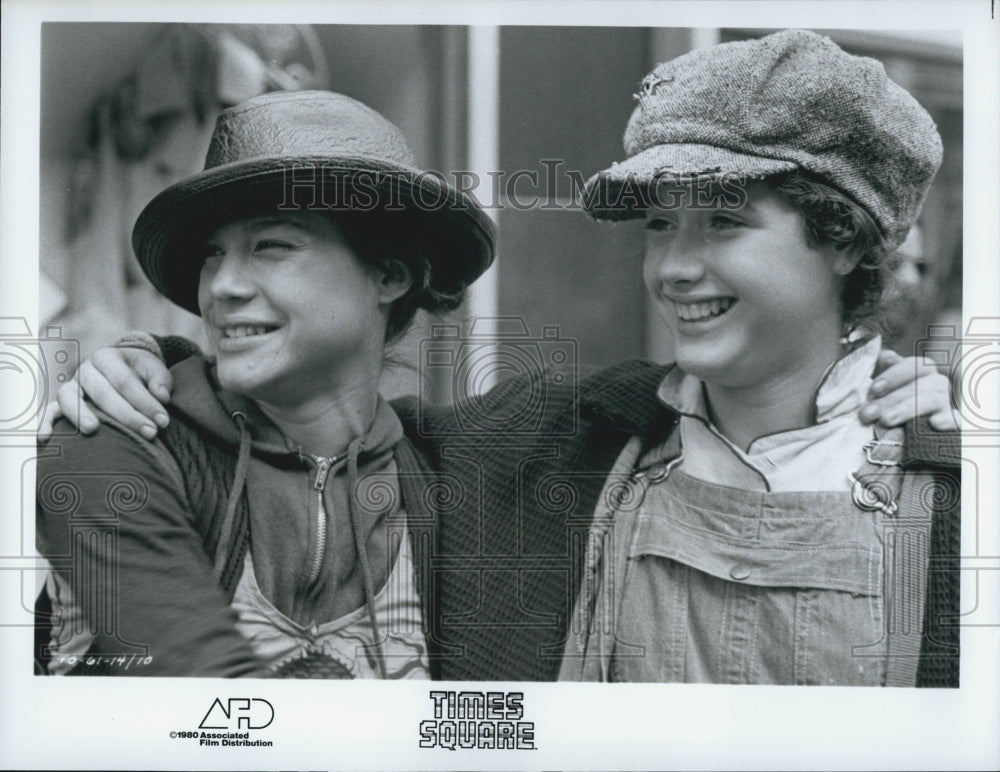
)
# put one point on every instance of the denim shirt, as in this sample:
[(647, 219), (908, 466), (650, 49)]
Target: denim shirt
[(767, 572)]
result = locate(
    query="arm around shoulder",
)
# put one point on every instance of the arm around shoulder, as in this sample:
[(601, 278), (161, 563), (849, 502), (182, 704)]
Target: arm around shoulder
[(114, 521)]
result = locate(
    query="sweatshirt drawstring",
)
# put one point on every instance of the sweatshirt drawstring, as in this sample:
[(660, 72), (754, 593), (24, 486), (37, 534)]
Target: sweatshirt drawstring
[(359, 543), (239, 481)]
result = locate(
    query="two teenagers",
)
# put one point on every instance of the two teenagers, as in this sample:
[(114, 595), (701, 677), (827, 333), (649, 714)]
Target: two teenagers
[(729, 518)]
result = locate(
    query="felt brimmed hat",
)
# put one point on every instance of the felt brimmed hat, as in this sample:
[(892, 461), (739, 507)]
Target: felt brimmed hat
[(790, 101), (309, 150)]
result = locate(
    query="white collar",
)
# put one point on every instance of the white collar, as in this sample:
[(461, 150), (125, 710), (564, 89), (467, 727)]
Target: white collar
[(844, 387)]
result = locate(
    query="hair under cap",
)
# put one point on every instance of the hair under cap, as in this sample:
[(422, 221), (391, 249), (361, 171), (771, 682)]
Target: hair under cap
[(790, 101)]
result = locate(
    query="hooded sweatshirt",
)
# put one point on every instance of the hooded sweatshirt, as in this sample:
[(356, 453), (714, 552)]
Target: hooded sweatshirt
[(132, 574)]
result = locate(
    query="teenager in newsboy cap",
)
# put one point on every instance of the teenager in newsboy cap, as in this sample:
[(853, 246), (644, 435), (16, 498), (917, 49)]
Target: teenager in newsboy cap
[(774, 177), (735, 503)]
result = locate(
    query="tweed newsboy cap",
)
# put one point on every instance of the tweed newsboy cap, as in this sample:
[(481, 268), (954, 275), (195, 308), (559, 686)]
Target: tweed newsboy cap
[(791, 100)]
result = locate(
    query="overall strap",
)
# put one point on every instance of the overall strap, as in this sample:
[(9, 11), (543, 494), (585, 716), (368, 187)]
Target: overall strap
[(590, 640), (658, 457), (907, 550), (880, 484), (875, 485)]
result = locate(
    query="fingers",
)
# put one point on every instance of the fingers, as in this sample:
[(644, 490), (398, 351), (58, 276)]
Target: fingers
[(128, 371), (896, 408), (933, 392), (886, 358), (73, 408), (945, 421), (906, 389), (893, 372), (106, 378), (153, 372)]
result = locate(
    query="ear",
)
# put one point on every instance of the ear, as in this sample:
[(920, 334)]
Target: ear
[(842, 260), (394, 281)]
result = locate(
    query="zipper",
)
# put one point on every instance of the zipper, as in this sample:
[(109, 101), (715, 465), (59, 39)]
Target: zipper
[(323, 466)]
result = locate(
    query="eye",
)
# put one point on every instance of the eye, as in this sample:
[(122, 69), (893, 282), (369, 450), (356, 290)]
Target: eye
[(724, 221), (660, 225), (271, 244)]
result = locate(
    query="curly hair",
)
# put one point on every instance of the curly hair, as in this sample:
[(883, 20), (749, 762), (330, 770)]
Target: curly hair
[(834, 219), (393, 242)]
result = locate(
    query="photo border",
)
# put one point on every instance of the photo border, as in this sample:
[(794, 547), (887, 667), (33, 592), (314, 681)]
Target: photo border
[(87, 723)]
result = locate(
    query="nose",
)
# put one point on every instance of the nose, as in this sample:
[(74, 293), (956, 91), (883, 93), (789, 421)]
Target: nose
[(675, 262), (227, 277)]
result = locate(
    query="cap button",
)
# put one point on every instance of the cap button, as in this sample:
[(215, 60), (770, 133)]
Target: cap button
[(739, 572)]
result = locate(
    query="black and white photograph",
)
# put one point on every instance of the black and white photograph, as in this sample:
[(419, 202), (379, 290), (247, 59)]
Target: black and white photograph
[(602, 379)]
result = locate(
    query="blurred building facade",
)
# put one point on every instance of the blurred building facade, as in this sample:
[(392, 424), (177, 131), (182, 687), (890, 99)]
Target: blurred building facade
[(529, 112)]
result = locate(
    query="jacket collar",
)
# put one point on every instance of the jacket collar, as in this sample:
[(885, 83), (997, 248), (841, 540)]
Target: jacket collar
[(925, 446), (200, 401), (624, 396)]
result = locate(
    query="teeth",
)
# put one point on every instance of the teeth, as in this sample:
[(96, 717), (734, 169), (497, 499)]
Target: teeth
[(243, 330), (697, 312)]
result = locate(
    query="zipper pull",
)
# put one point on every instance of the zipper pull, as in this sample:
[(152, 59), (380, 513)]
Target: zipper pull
[(322, 469)]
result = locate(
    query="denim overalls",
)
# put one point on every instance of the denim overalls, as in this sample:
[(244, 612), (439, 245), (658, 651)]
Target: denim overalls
[(698, 581)]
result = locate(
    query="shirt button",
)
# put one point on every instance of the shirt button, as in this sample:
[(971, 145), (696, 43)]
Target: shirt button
[(739, 572)]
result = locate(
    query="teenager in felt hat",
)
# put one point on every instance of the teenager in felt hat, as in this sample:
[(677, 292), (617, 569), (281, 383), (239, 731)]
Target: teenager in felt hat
[(264, 532), (735, 503)]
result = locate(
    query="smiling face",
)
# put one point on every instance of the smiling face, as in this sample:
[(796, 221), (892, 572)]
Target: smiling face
[(291, 311), (747, 300)]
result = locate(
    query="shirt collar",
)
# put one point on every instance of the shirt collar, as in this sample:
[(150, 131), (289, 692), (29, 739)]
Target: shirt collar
[(845, 386), (843, 389)]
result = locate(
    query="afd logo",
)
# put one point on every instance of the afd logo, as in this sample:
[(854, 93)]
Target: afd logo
[(238, 713)]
